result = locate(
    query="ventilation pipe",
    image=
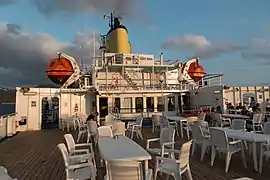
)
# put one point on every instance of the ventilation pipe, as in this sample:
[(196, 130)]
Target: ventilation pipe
[(161, 59)]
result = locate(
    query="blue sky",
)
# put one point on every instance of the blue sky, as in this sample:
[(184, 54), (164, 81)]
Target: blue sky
[(233, 37)]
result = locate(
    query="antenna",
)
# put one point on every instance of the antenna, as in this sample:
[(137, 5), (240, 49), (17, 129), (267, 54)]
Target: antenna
[(81, 47)]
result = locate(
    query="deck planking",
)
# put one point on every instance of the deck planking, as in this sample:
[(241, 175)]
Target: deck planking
[(34, 155)]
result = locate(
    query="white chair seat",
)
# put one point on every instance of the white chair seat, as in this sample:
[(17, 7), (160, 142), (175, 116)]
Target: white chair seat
[(4, 174), (81, 174)]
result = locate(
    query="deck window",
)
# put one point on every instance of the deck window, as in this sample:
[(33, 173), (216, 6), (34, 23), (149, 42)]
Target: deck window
[(127, 105), (160, 105), (117, 105), (139, 104), (171, 103), (150, 104)]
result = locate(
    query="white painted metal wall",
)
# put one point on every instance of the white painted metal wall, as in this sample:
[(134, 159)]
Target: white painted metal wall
[(29, 105), (208, 96)]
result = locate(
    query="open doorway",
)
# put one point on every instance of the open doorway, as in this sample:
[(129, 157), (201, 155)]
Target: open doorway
[(50, 112), (103, 106)]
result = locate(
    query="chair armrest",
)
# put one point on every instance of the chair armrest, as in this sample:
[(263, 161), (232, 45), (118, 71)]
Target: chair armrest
[(160, 159), (83, 156), (83, 144), (164, 145), (149, 174), (235, 142), (151, 140), (86, 151), (265, 145), (78, 166)]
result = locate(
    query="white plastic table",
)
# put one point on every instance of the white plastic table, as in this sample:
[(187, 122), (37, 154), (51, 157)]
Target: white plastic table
[(122, 149), (235, 116), (248, 136)]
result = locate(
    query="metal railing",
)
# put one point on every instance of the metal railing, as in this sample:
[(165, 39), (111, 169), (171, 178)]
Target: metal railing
[(122, 88), (8, 126)]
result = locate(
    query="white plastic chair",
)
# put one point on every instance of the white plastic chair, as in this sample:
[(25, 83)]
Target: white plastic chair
[(166, 123), (199, 139), (82, 129), (156, 121), (119, 128), (78, 171), (221, 144), (105, 131), (135, 127), (4, 174), (175, 167), (265, 152), (109, 119), (238, 124), (219, 120), (186, 126), (84, 153), (127, 170), (256, 122), (92, 131), (166, 140), (201, 116)]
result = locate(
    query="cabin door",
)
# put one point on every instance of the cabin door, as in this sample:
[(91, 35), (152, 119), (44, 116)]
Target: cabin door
[(49, 112), (103, 106)]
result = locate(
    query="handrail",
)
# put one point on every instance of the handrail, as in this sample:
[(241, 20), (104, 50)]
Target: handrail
[(8, 126)]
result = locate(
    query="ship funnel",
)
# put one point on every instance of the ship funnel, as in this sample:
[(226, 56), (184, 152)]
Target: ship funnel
[(117, 37)]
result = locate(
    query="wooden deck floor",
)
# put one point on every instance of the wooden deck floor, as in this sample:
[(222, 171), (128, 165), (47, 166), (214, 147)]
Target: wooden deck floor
[(33, 155)]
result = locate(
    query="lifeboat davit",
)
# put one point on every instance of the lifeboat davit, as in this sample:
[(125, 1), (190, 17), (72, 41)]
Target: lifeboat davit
[(59, 70), (196, 71)]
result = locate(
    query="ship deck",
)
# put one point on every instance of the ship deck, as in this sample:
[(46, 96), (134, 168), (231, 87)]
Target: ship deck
[(34, 155)]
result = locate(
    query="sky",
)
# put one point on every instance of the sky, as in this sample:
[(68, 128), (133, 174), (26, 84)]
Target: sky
[(230, 37)]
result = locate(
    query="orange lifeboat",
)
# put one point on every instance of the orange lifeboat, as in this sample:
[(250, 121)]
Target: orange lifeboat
[(196, 71), (59, 70)]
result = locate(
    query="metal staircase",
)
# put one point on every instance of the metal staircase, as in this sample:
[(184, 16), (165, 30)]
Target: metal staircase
[(115, 112), (129, 80)]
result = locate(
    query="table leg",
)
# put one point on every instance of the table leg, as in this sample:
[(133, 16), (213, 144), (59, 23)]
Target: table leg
[(181, 129), (145, 167), (255, 159)]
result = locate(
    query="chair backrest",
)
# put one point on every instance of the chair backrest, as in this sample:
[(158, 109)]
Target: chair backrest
[(92, 127), (119, 128), (185, 153), (139, 121), (197, 133), (191, 119), (257, 118), (266, 128), (156, 119), (124, 170), (167, 134), (202, 124), (164, 121), (238, 124), (216, 116), (109, 119), (64, 152), (105, 131), (80, 124), (218, 138), (70, 142), (202, 116)]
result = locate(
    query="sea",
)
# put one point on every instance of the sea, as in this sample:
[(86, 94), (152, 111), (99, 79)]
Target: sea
[(7, 108)]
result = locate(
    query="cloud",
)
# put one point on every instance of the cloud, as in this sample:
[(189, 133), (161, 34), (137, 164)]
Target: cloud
[(6, 2), (25, 55), (196, 45), (127, 8), (258, 51)]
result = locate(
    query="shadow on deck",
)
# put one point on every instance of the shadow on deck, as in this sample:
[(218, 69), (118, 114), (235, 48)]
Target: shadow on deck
[(33, 155)]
